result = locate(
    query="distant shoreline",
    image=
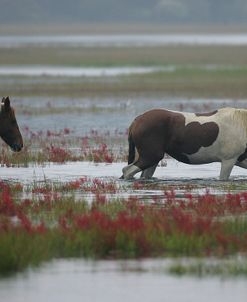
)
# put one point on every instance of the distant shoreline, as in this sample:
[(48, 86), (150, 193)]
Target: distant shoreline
[(116, 28)]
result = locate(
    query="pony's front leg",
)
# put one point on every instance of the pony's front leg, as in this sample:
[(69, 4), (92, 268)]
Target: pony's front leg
[(226, 168)]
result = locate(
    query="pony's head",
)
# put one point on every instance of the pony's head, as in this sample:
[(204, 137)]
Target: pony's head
[(9, 130)]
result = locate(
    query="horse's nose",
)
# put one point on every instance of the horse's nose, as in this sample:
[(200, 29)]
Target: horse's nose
[(17, 147)]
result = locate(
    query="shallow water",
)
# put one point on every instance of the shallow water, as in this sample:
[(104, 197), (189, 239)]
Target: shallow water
[(104, 114), (122, 40), (182, 178), (110, 281), (174, 172)]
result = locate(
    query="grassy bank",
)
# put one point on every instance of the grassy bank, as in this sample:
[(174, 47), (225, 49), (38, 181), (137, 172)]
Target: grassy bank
[(125, 56)]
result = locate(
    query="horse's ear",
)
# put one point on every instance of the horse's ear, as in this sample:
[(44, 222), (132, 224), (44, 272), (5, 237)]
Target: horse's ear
[(6, 103)]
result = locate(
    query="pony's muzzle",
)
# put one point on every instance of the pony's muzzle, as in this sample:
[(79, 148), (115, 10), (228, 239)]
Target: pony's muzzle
[(17, 147)]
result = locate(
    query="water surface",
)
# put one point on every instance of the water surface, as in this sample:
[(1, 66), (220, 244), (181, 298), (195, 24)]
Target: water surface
[(63, 71), (174, 172), (182, 178), (104, 114), (110, 281)]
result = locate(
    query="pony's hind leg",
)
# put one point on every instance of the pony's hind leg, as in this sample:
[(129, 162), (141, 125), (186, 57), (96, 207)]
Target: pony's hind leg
[(149, 172), (148, 163), (226, 168), (242, 164), (129, 171)]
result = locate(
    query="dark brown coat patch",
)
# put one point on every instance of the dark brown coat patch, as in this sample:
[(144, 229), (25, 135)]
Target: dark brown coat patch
[(190, 138), (161, 131)]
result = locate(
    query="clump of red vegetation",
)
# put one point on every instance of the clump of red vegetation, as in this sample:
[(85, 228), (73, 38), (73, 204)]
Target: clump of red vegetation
[(58, 154)]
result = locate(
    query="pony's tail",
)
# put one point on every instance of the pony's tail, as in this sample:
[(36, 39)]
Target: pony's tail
[(131, 156)]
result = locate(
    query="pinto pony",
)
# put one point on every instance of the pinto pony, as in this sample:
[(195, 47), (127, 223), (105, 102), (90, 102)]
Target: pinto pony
[(192, 138), (9, 130)]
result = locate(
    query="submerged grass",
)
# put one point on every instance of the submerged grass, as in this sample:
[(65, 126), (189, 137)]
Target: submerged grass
[(216, 267)]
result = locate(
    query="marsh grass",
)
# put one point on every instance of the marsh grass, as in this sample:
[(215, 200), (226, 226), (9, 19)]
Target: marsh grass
[(186, 82), (62, 146), (53, 223), (125, 56)]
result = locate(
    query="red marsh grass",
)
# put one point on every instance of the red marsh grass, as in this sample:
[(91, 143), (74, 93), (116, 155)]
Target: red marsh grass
[(52, 224)]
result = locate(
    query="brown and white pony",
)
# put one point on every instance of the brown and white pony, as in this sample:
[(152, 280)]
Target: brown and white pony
[(192, 138), (9, 130)]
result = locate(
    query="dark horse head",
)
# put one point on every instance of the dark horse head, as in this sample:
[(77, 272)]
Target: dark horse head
[(9, 130)]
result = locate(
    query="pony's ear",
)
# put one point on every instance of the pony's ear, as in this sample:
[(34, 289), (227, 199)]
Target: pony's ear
[(6, 103)]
